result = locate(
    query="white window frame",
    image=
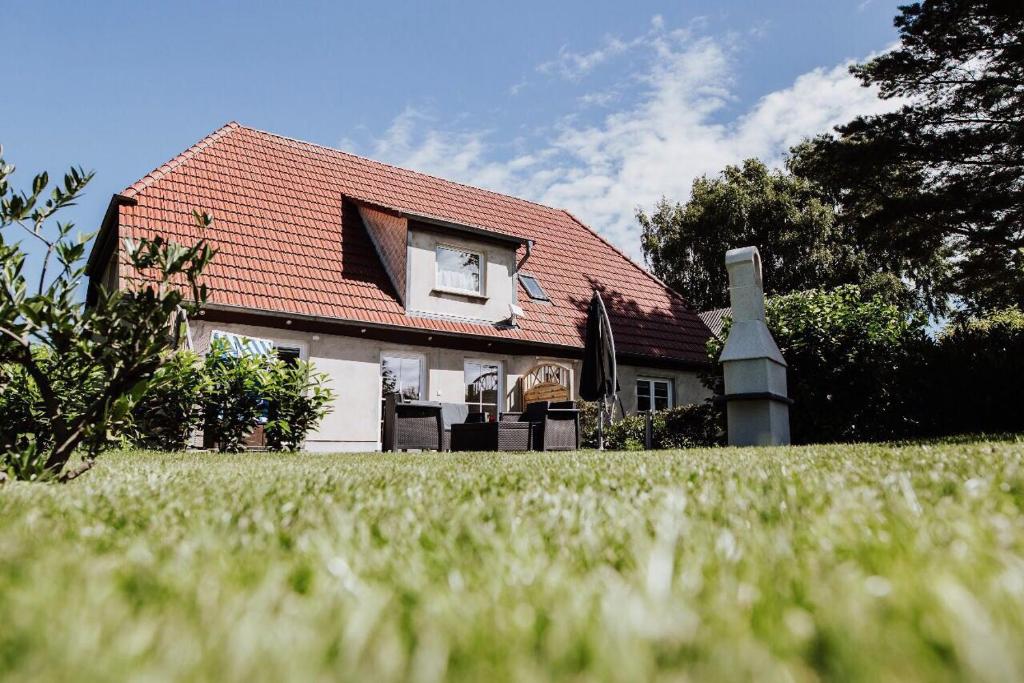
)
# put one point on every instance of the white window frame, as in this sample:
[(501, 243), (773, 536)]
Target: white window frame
[(502, 401), (650, 383), (407, 355), (455, 290)]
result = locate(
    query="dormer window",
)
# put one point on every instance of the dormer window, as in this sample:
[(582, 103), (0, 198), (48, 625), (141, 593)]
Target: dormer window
[(459, 270)]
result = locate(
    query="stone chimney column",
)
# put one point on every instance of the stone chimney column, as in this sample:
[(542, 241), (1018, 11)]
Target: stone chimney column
[(757, 407)]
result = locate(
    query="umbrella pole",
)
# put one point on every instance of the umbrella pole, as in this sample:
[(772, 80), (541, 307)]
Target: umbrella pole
[(600, 428)]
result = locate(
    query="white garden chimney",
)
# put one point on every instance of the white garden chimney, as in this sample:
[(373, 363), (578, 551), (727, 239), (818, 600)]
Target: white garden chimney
[(757, 407)]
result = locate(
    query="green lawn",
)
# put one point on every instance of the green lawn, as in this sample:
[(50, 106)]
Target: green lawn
[(848, 562)]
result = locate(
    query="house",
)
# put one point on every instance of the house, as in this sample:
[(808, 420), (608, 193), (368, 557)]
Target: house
[(392, 280), (715, 319)]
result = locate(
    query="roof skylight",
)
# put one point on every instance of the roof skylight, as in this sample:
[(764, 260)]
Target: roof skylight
[(533, 288)]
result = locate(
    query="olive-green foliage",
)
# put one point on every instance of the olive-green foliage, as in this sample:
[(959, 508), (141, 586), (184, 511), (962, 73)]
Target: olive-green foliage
[(298, 401), (242, 390), (859, 563), (171, 409), (84, 366), (856, 364), (690, 426)]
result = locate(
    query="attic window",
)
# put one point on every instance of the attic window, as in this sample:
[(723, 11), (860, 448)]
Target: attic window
[(458, 270), (533, 288)]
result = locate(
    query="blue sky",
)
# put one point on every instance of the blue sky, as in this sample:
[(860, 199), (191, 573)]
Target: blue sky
[(597, 107)]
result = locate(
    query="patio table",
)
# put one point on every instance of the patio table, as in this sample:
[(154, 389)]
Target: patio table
[(492, 436)]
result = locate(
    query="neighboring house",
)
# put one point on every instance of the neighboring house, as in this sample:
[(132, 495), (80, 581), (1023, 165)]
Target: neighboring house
[(387, 279), (715, 319)]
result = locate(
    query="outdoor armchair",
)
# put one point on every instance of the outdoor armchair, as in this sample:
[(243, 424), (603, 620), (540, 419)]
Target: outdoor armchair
[(556, 425), (412, 425)]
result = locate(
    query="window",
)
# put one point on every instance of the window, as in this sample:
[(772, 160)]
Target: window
[(653, 393), (289, 355), (459, 270), (401, 374), (483, 387), (533, 288)]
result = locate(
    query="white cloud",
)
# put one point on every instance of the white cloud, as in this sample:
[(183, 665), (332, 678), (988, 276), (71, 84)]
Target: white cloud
[(573, 65), (675, 130), (518, 87)]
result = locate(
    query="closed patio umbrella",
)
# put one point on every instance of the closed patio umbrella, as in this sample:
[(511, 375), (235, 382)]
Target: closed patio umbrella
[(598, 379)]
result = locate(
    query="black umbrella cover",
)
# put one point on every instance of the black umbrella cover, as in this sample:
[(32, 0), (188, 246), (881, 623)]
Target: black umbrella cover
[(597, 377)]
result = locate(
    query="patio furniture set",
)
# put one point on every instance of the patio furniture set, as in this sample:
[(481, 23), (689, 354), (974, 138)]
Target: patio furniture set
[(430, 425)]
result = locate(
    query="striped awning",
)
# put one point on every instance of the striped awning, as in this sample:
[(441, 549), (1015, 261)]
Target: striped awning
[(241, 345)]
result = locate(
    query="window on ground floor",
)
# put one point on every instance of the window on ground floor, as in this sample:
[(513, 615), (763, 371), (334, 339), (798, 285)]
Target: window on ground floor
[(483, 387), (652, 393), (402, 375)]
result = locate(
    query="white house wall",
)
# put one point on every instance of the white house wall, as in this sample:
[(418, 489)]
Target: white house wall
[(353, 369), (498, 269)]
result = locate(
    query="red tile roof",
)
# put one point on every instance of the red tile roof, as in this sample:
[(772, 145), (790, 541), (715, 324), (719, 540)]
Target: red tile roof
[(286, 245)]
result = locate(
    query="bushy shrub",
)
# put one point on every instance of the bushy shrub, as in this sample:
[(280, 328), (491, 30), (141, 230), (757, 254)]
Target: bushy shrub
[(21, 425), (172, 408), (691, 426), (856, 364), (26, 427), (236, 395), (87, 364), (244, 390), (298, 401), (976, 375)]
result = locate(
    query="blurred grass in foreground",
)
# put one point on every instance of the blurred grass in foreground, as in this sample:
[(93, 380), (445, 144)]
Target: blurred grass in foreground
[(847, 562)]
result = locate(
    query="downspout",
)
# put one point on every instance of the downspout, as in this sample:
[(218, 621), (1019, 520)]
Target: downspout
[(529, 252)]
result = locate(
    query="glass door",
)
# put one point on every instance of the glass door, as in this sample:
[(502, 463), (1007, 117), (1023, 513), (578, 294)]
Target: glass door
[(483, 387)]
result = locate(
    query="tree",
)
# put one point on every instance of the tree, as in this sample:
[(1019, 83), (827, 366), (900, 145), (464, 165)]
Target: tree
[(791, 223), (936, 187), (86, 366)]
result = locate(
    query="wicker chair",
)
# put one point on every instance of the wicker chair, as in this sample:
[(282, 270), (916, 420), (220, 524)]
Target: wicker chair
[(556, 425), (412, 425)]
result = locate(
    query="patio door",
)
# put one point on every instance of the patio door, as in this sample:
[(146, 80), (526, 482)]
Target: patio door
[(483, 387), (403, 374)]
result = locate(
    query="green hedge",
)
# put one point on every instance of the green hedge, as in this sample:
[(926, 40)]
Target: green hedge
[(976, 373), (691, 426)]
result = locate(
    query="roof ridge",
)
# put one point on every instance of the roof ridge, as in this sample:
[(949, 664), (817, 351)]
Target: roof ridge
[(162, 170), (631, 262), (402, 168)]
